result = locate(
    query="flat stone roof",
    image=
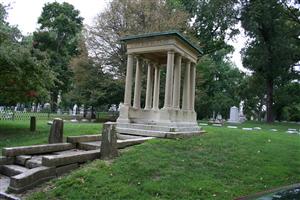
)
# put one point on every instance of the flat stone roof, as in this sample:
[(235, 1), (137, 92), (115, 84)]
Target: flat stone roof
[(167, 33)]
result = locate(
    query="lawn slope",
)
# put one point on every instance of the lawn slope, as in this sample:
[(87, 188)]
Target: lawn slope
[(222, 164)]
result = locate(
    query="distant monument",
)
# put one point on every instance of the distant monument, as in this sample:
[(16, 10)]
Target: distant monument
[(234, 115), (155, 51), (242, 117), (75, 109)]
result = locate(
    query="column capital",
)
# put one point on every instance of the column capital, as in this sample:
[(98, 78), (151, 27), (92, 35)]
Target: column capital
[(171, 51)]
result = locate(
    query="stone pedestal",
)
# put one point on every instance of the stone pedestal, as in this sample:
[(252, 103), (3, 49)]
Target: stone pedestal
[(109, 147)]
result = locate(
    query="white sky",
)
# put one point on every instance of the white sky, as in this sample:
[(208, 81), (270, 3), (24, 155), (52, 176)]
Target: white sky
[(25, 13)]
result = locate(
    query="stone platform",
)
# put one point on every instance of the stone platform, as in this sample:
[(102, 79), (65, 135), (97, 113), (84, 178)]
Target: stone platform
[(160, 130)]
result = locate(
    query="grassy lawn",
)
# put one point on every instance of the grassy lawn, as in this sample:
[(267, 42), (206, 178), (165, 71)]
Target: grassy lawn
[(222, 164), (16, 133)]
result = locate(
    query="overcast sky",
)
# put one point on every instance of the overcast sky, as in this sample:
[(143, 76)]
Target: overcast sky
[(24, 14)]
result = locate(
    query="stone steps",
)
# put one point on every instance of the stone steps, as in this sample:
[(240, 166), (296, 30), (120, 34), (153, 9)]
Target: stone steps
[(159, 134), (25, 167), (178, 128)]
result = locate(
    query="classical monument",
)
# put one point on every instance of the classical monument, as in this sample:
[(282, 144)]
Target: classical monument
[(153, 52)]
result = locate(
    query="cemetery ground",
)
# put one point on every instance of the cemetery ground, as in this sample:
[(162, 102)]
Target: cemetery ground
[(221, 164)]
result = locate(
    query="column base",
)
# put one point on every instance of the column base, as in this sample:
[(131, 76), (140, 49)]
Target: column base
[(164, 123)]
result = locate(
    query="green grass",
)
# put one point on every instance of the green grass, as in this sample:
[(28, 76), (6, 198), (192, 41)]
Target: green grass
[(222, 164), (16, 133)]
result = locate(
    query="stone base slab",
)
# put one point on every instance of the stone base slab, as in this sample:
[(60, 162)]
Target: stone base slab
[(36, 149), (12, 170), (78, 157), (83, 138), (30, 178), (159, 134), (164, 127)]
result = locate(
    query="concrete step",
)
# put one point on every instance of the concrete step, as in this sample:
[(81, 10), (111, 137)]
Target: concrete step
[(12, 170)]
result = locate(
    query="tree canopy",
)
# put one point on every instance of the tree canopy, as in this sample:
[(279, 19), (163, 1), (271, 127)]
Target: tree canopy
[(24, 73), (60, 29)]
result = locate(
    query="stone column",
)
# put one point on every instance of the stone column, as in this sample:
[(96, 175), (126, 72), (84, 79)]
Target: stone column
[(177, 80), (128, 84), (169, 80), (156, 88), (186, 87), (192, 85), (138, 84), (149, 90)]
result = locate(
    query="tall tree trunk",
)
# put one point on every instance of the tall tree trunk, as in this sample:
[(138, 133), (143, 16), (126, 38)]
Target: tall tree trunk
[(270, 100)]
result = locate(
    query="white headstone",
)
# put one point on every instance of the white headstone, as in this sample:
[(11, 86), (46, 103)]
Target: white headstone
[(234, 115)]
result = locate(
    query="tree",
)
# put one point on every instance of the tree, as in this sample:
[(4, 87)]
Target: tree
[(60, 26), (127, 17), (217, 86), (273, 48), (212, 21), (25, 76), (91, 85), (252, 92)]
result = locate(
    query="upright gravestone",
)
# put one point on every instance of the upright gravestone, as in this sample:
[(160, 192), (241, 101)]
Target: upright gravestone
[(234, 115), (56, 131)]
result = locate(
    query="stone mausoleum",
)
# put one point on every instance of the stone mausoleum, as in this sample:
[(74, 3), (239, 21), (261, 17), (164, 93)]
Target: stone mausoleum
[(176, 117)]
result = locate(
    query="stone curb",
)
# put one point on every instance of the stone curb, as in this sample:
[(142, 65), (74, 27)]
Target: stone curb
[(31, 178), (78, 157), (36, 149)]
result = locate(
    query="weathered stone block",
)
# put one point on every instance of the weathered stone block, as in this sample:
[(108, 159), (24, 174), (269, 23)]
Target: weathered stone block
[(83, 138), (35, 161), (89, 145), (130, 142), (36, 149), (6, 160), (21, 160), (78, 157), (31, 178), (56, 131), (12, 170), (109, 148), (65, 169)]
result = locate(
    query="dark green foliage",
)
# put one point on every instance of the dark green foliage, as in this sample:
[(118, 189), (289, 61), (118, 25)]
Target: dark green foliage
[(60, 26), (213, 21), (252, 91), (25, 75), (274, 45), (217, 84)]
